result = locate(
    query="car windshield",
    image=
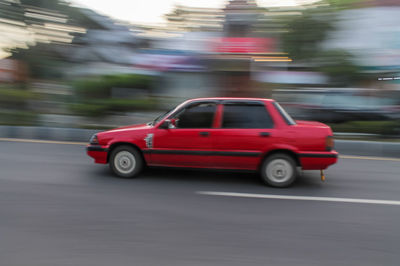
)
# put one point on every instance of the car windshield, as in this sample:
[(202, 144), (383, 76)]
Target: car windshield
[(161, 117)]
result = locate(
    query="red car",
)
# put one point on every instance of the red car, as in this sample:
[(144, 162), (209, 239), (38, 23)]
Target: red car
[(220, 133)]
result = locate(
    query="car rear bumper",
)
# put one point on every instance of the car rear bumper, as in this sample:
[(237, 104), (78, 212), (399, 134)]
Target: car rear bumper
[(98, 153), (317, 160)]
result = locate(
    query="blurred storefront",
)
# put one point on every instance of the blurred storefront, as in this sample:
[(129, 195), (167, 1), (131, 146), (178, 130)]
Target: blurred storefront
[(239, 47), (226, 45), (214, 52)]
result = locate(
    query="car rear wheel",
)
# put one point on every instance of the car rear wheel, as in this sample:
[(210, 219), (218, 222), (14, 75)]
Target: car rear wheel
[(126, 161), (279, 170)]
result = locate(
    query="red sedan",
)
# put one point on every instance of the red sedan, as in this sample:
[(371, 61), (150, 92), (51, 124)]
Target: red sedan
[(220, 133)]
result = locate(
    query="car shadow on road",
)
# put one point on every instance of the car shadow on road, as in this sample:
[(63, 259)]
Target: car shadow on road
[(220, 179), (201, 175), (309, 179)]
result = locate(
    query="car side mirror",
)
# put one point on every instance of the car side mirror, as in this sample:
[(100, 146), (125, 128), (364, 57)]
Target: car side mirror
[(167, 124)]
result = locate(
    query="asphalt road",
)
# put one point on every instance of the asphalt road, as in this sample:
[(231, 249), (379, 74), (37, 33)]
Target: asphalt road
[(58, 208)]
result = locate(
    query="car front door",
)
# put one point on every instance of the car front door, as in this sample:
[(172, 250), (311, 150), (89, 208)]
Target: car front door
[(246, 130), (189, 141)]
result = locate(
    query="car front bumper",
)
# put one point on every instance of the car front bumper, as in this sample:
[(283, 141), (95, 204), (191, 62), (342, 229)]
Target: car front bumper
[(98, 153)]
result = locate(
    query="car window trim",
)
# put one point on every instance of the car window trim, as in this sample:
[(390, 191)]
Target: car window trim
[(242, 102)]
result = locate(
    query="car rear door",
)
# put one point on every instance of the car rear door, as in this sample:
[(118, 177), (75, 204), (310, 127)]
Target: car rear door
[(190, 142), (245, 132)]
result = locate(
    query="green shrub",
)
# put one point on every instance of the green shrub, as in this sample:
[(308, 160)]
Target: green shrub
[(88, 109), (100, 87), (15, 98), (93, 95), (126, 105), (371, 127), (101, 107), (16, 95), (18, 118), (127, 81), (92, 88)]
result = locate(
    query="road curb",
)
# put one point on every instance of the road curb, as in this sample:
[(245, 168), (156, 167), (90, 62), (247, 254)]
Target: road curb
[(348, 147), (368, 148)]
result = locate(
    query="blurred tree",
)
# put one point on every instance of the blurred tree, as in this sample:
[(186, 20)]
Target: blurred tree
[(11, 10), (15, 10), (42, 63), (339, 67), (305, 33), (41, 54), (304, 37)]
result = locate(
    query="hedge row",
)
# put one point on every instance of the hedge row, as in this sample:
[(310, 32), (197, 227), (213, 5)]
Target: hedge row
[(383, 128)]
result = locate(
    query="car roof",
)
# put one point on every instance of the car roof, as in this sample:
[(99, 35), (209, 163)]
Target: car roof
[(230, 99)]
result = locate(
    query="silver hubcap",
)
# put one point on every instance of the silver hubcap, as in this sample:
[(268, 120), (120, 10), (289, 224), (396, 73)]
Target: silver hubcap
[(125, 162), (279, 170)]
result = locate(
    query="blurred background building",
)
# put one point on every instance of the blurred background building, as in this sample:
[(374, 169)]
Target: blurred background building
[(336, 61)]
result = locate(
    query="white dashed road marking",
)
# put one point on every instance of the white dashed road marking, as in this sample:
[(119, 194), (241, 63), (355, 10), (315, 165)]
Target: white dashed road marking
[(369, 158), (306, 198)]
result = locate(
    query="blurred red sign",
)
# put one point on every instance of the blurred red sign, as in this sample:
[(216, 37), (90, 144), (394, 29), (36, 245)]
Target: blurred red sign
[(245, 45)]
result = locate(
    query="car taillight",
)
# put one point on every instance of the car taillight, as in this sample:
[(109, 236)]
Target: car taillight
[(329, 143)]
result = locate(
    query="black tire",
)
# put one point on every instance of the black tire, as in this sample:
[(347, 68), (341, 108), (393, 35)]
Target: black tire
[(279, 170), (126, 161)]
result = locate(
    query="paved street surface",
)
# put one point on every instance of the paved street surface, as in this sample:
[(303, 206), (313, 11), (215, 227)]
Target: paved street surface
[(58, 208)]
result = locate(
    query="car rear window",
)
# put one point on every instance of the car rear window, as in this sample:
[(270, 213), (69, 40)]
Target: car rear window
[(246, 116), (288, 119)]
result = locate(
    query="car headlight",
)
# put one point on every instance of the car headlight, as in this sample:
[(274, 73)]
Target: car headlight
[(94, 139)]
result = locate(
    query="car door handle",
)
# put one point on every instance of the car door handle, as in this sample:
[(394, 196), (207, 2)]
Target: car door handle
[(204, 134), (265, 134)]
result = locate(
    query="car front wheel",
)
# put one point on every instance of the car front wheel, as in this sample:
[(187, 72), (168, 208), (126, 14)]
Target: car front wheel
[(126, 161), (279, 170)]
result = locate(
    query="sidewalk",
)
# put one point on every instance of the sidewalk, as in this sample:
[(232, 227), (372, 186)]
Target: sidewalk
[(344, 147)]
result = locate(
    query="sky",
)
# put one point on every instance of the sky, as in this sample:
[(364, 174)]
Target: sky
[(152, 11)]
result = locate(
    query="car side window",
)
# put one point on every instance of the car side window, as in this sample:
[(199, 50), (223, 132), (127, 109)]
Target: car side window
[(199, 115), (246, 116)]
